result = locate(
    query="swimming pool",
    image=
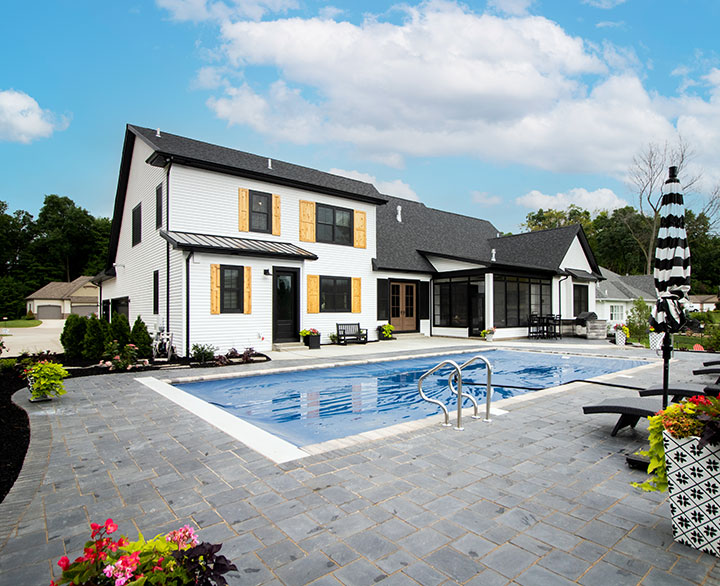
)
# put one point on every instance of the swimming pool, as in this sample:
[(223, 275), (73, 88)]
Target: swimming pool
[(312, 406)]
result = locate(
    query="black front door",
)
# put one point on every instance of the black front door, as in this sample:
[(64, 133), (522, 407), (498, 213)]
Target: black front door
[(286, 301)]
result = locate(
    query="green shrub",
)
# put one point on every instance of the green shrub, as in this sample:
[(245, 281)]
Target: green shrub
[(712, 338), (73, 336), (639, 319), (7, 364), (29, 315), (140, 337), (120, 329), (94, 340), (45, 379), (203, 352)]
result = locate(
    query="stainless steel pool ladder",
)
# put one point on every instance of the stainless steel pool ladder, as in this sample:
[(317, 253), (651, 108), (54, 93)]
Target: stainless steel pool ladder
[(456, 374)]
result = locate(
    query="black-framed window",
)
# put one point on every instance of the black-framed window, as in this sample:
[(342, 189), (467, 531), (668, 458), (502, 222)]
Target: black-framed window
[(450, 303), (580, 299), (231, 289), (158, 206), (156, 292), (334, 225), (335, 293), (515, 298), (137, 224), (260, 212)]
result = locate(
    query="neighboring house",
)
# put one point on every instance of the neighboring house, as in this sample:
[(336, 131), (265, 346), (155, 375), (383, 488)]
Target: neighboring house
[(616, 293), (227, 248), (57, 300), (702, 302)]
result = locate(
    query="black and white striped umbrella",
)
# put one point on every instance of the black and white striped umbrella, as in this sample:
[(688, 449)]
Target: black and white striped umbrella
[(672, 270)]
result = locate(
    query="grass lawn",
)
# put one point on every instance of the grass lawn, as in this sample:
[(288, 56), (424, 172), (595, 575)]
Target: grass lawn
[(20, 323)]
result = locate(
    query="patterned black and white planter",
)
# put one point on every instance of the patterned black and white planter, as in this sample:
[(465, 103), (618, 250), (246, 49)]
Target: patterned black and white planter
[(694, 492)]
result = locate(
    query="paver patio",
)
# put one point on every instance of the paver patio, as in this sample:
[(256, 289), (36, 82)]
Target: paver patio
[(539, 496)]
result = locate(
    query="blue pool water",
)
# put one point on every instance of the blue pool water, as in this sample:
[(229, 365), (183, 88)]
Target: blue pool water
[(311, 406)]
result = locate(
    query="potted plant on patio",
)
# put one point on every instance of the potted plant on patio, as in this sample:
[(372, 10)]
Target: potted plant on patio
[(385, 332), (44, 380), (685, 459), (488, 335), (311, 337), (655, 338), (621, 334)]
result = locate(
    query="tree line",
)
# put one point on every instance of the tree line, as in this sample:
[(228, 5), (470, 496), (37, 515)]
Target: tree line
[(64, 242)]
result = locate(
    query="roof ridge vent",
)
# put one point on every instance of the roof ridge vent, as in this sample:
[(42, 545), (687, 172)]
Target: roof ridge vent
[(270, 164), (157, 133), (399, 213)]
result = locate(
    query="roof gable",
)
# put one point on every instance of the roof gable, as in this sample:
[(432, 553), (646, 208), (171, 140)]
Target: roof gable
[(60, 289)]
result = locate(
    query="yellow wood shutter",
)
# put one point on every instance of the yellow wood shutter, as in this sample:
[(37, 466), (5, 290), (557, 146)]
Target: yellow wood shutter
[(214, 289), (243, 209), (313, 293), (356, 295), (276, 215), (307, 221), (247, 291), (360, 239)]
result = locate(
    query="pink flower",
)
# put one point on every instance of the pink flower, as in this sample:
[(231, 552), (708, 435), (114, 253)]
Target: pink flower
[(182, 537)]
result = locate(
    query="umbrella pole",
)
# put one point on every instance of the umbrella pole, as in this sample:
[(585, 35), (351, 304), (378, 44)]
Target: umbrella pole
[(666, 354)]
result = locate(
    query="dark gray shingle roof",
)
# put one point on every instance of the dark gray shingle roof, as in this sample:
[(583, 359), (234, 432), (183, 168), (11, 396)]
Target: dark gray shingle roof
[(197, 153), (400, 244), (617, 286)]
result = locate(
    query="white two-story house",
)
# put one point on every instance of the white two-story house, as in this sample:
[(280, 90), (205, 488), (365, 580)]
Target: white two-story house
[(223, 247)]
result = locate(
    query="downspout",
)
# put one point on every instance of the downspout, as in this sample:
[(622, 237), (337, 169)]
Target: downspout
[(431, 300), (187, 303), (167, 250)]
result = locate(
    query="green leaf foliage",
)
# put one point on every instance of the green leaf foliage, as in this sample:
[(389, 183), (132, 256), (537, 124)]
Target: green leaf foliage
[(73, 336), (120, 328), (94, 340), (141, 338)]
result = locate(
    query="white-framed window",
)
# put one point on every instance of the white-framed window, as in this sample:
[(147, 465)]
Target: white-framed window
[(617, 313)]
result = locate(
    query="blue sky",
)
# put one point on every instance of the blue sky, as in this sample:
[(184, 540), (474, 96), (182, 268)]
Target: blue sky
[(490, 109)]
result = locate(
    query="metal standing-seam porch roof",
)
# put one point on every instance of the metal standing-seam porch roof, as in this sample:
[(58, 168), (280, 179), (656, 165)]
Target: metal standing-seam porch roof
[(232, 245)]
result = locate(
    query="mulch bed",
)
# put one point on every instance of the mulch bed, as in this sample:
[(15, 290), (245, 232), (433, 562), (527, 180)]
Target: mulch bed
[(14, 432)]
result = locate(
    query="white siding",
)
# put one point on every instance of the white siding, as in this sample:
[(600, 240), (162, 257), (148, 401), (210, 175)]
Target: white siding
[(575, 258), (135, 264)]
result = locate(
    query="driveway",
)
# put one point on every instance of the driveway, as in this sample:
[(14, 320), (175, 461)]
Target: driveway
[(44, 337)]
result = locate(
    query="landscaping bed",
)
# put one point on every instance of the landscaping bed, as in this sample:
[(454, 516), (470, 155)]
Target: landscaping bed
[(14, 432)]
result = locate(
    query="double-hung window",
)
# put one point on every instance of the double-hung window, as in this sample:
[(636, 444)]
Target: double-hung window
[(335, 294), (231, 289), (260, 212), (616, 313), (334, 225)]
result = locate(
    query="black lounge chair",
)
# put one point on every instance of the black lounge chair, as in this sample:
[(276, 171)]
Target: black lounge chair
[(630, 409), (678, 391), (711, 363), (711, 370)]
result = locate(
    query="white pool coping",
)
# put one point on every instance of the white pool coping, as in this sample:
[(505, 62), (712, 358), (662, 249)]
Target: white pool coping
[(281, 451)]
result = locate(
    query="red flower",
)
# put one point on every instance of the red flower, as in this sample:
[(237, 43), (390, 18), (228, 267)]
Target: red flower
[(95, 529), (64, 563), (110, 526), (700, 400)]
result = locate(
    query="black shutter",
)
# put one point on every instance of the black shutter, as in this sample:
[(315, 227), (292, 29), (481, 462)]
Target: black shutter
[(424, 300), (383, 306), (156, 292)]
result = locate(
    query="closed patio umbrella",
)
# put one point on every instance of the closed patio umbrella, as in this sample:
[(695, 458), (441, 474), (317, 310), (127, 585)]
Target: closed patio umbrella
[(672, 270)]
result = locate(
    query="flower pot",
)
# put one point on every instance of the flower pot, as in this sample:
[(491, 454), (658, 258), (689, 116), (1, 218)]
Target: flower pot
[(620, 338), (312, 342), (489, 337), (656, 339), (693, 489)]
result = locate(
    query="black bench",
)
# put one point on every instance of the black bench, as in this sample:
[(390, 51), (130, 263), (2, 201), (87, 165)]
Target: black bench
[(350, 333)]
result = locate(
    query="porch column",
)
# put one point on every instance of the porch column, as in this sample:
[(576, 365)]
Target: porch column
[(489, 301)]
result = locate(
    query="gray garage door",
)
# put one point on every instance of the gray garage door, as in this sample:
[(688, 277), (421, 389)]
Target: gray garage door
[(49, 312), (84, 310)]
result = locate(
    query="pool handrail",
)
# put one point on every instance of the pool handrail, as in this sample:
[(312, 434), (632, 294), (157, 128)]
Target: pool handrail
[(440, 404), (488, 387), (452, 376)]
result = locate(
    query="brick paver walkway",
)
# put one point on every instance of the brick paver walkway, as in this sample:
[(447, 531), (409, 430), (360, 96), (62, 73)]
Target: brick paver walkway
[(540, 496)]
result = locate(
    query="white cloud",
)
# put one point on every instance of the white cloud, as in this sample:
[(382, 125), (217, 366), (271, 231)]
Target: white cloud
[(610, 24), (446, 81), (198, 10), (604, 4), (330, 12), (594, 201), (396, 187), (23, 120), (511, 7), (484, 198)]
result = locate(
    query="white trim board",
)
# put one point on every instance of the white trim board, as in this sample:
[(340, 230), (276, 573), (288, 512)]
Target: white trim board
[(267, 444)]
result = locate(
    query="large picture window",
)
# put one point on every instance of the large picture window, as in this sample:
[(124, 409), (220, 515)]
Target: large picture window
[(515, 298), (231, 289), (580, 299), (334, 225), (260, 212), (335, 293)]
